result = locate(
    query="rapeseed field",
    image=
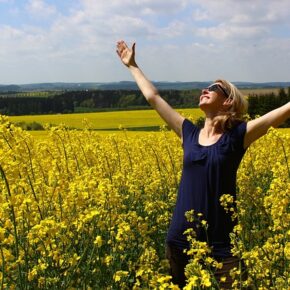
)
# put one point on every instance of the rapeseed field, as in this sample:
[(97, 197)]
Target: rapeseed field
[(80, 210), (105, 120)]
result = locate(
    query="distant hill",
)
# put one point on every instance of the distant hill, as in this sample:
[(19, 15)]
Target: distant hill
[(128, 85), (9, 88)]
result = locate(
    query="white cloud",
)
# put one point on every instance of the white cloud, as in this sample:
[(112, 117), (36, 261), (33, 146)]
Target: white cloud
[(247, 11), (200, 15), (40, 8), (174, 29), (176, 40), (223, 32), (135, 7)]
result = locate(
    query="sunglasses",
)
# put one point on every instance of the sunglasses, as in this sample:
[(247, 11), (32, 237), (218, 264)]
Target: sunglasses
[(216, 87)]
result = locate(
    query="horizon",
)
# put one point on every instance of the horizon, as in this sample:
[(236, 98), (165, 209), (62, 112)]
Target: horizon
[(133, 82), (74, 41)]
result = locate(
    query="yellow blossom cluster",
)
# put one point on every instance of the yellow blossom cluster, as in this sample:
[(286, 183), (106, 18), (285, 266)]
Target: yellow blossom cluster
[(83, 211), (261, 238)]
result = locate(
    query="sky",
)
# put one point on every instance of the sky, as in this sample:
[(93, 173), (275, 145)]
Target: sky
[(176, 40)]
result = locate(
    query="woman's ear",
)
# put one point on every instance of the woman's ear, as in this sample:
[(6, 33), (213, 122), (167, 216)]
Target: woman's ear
[(228, 102)]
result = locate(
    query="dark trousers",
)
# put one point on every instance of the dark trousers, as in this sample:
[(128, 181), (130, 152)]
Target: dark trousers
[(178, 260)]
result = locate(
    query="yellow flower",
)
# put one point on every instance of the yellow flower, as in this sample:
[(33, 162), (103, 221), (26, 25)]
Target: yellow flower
[(205, 278), (119, 275), (32, 274), (98, 241), (287, 250), (192, 282), (108, 259)]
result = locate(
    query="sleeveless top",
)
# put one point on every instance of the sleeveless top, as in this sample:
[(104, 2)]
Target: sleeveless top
[(208, 173)]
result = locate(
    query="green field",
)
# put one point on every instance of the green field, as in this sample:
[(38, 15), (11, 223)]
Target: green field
[(139, 120)]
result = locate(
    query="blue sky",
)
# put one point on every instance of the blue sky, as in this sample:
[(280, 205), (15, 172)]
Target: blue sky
[(176, 40)]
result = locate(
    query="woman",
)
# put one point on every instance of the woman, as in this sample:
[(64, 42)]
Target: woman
[(211, 159)]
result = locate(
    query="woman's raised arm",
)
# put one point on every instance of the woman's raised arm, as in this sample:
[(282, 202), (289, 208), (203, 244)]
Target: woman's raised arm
[(259, 127), (173, 119)]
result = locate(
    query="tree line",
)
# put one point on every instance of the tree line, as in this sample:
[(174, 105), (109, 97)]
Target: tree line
[(90, 100), (101, 100)]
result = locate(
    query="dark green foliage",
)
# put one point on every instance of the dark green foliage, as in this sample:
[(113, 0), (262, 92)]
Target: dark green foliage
[(25, 103), (262, 104), (88, 101), (200, 122), (33, 126)]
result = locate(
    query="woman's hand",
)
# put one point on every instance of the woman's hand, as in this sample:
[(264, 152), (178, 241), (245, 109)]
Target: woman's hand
[(126, 54)]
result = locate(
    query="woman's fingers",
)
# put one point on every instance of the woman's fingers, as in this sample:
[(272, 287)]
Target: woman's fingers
[(121, 46)]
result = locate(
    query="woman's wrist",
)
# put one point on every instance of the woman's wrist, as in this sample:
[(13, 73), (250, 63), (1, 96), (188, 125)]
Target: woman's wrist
[(133, 68), (132, 65)]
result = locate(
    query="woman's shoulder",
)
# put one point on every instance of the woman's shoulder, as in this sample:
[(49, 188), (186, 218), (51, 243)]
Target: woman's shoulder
[(188, 128), (236, 134), (239, 126), (188, 125)]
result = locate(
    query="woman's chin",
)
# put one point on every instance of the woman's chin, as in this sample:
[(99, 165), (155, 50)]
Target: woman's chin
[(202, 105)]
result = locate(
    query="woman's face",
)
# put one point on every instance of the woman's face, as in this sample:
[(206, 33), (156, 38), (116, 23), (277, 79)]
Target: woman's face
[(212, 98)]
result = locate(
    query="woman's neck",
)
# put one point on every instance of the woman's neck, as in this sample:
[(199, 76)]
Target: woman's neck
[(211, 128)]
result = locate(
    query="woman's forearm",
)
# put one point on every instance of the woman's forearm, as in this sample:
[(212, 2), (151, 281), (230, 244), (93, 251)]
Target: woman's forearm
[(278, 116), (127, 56), (147, 88), (258, 127)]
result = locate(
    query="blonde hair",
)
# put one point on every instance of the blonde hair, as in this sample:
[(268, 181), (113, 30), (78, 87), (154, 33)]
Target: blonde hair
[(236, 113)]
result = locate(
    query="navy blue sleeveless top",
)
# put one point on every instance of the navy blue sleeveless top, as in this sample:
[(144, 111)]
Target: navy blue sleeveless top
[(208, 173)]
